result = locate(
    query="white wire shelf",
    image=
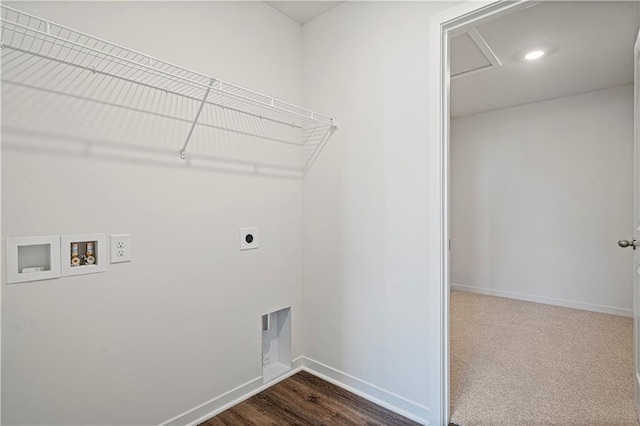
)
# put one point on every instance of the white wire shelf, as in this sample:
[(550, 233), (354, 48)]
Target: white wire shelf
[(56, 61)]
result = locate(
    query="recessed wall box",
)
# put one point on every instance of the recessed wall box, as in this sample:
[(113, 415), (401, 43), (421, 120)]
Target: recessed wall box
[(83, 254), (276, 344), (33, 258)]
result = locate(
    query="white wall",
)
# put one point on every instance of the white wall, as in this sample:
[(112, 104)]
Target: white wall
[(366, 290), (540, 194), (180, 324)]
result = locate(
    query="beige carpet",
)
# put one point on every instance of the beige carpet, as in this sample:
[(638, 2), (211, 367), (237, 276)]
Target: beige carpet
[(523, 363)]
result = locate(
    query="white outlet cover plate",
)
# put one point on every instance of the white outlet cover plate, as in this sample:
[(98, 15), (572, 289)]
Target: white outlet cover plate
[(120, 248), (244, 232), (100, 252)]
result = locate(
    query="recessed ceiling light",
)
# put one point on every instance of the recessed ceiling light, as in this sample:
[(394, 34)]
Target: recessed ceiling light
[(533, 55)]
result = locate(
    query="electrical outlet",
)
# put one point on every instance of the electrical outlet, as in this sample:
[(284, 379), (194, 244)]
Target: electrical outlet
[(248, 238), (120, 248)]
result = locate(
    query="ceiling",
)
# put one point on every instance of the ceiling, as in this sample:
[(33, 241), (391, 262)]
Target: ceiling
[(588, 45), (303, 11)]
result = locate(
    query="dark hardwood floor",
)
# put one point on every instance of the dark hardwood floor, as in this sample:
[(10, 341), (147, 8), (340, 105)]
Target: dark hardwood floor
[(304, 399)]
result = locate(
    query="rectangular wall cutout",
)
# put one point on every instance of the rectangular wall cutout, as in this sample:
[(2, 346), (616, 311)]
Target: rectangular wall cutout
[(276, 344), (36, 257), (33, 258)]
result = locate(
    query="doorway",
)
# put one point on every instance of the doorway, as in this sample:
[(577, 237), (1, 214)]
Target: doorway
[(501, 179)]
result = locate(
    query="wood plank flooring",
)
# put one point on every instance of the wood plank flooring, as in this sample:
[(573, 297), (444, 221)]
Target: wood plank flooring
[(304, 399)]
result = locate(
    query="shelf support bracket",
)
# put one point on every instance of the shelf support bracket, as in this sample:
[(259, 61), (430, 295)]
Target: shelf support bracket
[(183, 151)]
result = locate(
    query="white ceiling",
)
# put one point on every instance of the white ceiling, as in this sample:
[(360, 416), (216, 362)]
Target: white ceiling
[(303, 11), (589, 46)]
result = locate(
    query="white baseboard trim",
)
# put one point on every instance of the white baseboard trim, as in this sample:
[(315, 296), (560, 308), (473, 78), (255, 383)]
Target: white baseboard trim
[(547, 300), (368, 391), (228, 399)]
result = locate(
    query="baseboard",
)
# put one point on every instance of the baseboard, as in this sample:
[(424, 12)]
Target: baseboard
[(368, 391), (547, 300), (636, 394), (228, 399)]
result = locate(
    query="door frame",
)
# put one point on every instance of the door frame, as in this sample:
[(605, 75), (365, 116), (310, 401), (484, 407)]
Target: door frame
[(441, 26), (636, 215)]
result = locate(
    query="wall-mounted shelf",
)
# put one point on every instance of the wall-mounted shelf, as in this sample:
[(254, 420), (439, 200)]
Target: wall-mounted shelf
[(58, 61)]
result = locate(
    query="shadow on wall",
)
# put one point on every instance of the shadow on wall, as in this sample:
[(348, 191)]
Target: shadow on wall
[(148, 127)]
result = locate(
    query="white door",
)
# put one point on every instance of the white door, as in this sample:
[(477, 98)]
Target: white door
[(635, 244), (636, 232)]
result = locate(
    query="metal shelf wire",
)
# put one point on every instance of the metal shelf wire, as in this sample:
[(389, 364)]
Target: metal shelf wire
[(58, 61)]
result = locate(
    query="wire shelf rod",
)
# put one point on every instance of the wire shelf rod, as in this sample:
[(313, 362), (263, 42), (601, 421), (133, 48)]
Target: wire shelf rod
[(224, 92), (270, 103), (317, 150), (55, 60), (156, 114), (219, 105), (183, 152), (91, 70), (91, 37), (82, 49)]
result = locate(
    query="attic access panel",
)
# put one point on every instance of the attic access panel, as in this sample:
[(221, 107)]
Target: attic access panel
[(470, 53)]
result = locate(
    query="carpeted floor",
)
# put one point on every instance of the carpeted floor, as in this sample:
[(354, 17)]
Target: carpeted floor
[(523, 363)]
